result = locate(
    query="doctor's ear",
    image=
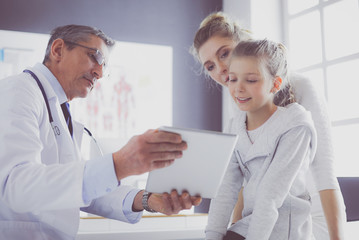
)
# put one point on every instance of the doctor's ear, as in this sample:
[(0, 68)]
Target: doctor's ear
[(276, 84), (57, 48)]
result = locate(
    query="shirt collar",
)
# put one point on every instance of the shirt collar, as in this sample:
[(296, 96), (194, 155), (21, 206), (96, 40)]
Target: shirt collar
[(59, 91)]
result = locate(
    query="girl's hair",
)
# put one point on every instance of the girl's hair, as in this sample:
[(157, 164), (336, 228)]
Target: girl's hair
[(273, 59), (76, 33), (217, 24)]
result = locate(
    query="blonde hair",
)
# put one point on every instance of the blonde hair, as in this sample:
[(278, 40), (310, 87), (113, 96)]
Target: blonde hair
[(273, 58), (218, 24)]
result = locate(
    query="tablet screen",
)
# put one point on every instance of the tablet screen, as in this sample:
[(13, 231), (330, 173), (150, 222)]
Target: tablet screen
[(202, 166)]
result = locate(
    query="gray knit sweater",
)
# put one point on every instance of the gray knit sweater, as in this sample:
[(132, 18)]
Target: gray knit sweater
[(273, 170)]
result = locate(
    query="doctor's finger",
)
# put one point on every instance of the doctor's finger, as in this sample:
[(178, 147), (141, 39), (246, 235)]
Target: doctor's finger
[(196, 200), (163, 156), (186, 201), (167, 147), (155, 136), (166, 203), (161, 164), (176, 203)]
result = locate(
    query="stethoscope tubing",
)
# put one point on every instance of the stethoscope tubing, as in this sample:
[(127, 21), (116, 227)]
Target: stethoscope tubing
[(56, 131)]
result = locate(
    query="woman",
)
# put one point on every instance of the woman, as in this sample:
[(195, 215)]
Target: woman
[(213, 45)]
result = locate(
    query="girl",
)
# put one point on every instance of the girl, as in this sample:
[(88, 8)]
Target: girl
[(213, 44), (275, 148)]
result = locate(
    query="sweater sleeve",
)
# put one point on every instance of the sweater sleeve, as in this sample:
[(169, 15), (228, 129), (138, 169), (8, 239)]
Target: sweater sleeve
[(221, 207), (322, 167), (293, 148)]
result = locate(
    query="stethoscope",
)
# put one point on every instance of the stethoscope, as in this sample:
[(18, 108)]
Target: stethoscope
[(53, 125)]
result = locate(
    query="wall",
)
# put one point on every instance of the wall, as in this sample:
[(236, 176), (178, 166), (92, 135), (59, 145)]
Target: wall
[(195, 103), (240, 10)]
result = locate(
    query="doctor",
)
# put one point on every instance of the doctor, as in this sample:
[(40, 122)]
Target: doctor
[(43, 180)]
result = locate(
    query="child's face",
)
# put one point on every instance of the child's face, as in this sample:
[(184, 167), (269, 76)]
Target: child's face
[(247, 85)]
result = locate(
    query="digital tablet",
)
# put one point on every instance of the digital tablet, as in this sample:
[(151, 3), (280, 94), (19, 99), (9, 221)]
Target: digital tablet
[(202, 167)]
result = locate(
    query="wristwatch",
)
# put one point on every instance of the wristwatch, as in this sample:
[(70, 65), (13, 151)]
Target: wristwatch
[(145, 197)]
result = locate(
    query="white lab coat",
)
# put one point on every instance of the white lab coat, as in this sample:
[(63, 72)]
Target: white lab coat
[(41, 175)]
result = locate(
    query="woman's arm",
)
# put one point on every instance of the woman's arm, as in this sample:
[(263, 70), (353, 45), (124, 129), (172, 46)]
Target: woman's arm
[(330, 199), (237, 212), (323, 174)]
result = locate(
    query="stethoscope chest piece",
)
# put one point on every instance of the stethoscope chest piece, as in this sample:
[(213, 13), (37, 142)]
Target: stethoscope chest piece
[(56, 129)]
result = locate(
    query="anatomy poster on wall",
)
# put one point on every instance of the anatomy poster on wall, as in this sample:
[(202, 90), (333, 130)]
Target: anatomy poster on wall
[(135, 96)]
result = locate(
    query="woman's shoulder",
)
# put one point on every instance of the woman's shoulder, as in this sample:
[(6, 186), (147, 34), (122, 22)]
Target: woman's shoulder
[(305, 92), (303, 87), (298, 79)]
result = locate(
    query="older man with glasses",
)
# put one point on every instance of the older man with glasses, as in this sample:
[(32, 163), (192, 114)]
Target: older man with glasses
[(43, 180)]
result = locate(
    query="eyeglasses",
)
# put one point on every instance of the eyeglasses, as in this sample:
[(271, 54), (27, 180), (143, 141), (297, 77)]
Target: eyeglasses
[(97, 55)]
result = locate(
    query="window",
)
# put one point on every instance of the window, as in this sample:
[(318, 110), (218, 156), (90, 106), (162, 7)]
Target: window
[(323, 38)]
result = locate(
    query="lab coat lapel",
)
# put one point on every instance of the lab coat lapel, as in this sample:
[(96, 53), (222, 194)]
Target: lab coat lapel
[(77, 137), (68, 149)]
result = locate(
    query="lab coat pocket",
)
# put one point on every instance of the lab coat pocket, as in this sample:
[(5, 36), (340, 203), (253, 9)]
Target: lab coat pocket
[(20, 230)]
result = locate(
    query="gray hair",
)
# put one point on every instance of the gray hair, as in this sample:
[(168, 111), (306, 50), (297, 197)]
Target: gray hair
[(273, 57), (75, 33)]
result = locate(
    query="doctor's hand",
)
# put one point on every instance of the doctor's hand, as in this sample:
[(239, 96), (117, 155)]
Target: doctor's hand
[(172, 203), (167, 203), (146, 152)]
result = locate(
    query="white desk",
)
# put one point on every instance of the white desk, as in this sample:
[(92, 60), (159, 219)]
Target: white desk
[(179, 227), (157, 227), (351, 230)]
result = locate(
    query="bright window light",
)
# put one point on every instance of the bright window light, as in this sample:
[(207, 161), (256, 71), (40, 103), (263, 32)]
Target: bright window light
[(295, 6), (305, 40), (333, 27), (343, 90), (341, 25)]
